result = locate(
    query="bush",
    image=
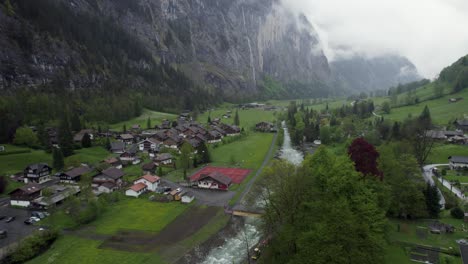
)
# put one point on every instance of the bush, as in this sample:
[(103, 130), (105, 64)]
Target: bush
[(457, 213), (31, 247)]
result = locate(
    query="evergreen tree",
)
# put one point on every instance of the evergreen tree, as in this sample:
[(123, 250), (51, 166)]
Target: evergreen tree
[(396, 134), (42, 136), (3, 184), (424, 119), (99, 129), (160, 171), (86, 141), (432, 200), (58, 160), (236, 118), (108, 143), (65, 136), (124, 128), (209, 120), (75, 122), (148, 123), (203, 154)]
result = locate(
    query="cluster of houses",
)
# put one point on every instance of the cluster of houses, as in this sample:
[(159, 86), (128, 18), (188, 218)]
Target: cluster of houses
[(456, 137), (266, 127)]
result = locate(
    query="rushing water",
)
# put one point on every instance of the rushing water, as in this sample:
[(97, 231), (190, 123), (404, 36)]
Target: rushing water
[(234, 250)]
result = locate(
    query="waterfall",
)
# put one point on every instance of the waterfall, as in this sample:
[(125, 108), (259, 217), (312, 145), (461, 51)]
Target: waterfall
[(252, 61)]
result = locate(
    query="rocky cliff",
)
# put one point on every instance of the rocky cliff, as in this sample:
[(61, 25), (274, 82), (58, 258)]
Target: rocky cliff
[(223, 45)]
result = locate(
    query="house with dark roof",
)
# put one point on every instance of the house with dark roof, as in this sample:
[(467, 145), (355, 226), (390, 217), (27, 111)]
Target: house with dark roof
[(265, 127), (127, 138), (213, 137), (74, 175), (149, 145), (79, 136), (214, 180), (458, 162), (110, 175), (163, 159), (37, 173), (117, 147), (23, 196), (130, 155), (114, 162), (149, 167), (462, 125)]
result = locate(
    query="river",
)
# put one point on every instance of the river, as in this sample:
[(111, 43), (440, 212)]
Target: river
[(234, 249)]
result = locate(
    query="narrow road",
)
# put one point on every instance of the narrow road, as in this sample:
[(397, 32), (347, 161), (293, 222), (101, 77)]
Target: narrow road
[(428, 176), (453, 189), (259, 171)]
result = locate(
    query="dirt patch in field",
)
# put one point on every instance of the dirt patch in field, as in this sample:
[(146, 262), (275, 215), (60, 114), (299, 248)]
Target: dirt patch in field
[(181, 228)]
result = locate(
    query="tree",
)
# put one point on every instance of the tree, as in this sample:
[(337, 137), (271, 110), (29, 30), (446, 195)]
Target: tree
[(58, 161), (86, 141), (457, 213), (43, 137), (203, 153), (432, 200), (24, 136), (364, 156), (386, 107), (3, 184), (438, 89), (185, 155), (124, 128), (236, 118), (108, 143), (424, 119), (9, 8), (209, 119), (75, 122), (65, 136), (148, 123), (160, 171)]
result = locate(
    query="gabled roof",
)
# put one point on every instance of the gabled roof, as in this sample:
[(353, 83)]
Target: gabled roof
[(77, 171), (163, 156), (111, 160), (148, 166), (463, 122), (117, 145), (217, 176), (113, 173), (126, 136), (38, 166), (459, 159), (108, 185), (150, 178), (138, 187), (29, 188)]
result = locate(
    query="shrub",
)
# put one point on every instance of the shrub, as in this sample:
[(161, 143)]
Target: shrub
[(32, 246), (457, 213)]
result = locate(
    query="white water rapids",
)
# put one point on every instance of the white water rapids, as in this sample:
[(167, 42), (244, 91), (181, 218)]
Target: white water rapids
[(234, 249)]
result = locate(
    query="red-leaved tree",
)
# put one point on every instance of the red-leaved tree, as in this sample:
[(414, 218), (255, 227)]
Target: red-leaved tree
[(365, 157)]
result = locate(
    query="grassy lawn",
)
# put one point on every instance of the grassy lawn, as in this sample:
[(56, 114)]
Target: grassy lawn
[(10, 164), (441, 110), (91, 156), (139, 214), (156, 119), (248, 117), (441, 152), (71, 249)]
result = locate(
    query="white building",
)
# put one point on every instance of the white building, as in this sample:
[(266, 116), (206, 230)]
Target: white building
[(458, 162), (136, 190), (187, 198), (151, 182)]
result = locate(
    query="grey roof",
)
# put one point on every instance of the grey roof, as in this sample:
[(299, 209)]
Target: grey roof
[(126, 136), (29, 188), (459, 159), (37, 166), (463, 122), (77, 171), (113, 173), (217, 176), (117, 145), (163, 156)]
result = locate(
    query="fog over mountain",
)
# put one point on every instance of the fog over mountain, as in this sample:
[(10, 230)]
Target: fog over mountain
[(430, 33)]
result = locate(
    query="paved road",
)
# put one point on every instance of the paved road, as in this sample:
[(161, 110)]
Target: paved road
[(17, 230), (259, 171), (428, 176), (455, 190)]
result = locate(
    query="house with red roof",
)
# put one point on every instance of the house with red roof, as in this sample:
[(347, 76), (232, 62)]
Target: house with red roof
[(214, 180), (136, 190), (152, 182)]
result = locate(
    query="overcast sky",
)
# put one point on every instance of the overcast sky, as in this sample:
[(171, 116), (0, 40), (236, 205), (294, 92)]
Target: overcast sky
[(431, 33)]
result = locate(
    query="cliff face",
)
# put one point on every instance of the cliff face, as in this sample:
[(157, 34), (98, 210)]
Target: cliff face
[(358, 73), (225, 46)]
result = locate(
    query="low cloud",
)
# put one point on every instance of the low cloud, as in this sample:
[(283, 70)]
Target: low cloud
[(431, 33)]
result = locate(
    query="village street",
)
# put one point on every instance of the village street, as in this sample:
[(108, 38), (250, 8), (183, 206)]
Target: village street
[(428, 175)]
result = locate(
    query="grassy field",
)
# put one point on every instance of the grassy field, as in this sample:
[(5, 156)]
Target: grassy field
[(91, 156), (10, 164), (156, 119), (138, 214), (441, 152), (441, 110), (248, 117)]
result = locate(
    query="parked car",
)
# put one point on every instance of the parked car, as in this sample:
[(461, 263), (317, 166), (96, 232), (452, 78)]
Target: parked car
[(28, 221), (40, 215), (35, 219), (10, 219), (3, 234)]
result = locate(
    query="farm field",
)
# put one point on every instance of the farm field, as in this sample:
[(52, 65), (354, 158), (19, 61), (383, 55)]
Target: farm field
[(441, 152), (248, 117)]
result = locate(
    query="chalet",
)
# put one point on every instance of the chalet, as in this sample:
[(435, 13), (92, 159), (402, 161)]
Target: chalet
[(107, 187), (160, 136), (171, 143), (435, 134), (195, 143), (130, 154), (265, 127), (200, 137), (111, 175), (231, 130), (126, 138), (151, 182), (24, 195), (213, 137), (117, 147), (214, 180), (149, 132), (166, 124), (458, 162), (135, 127), (149, 167), (219, 130), (462, 125), (74, 175), (37, 173), (136, 190), (149, 145), (114, 162), (187, 198), (79, 136), (184, 116), (163, 159)]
